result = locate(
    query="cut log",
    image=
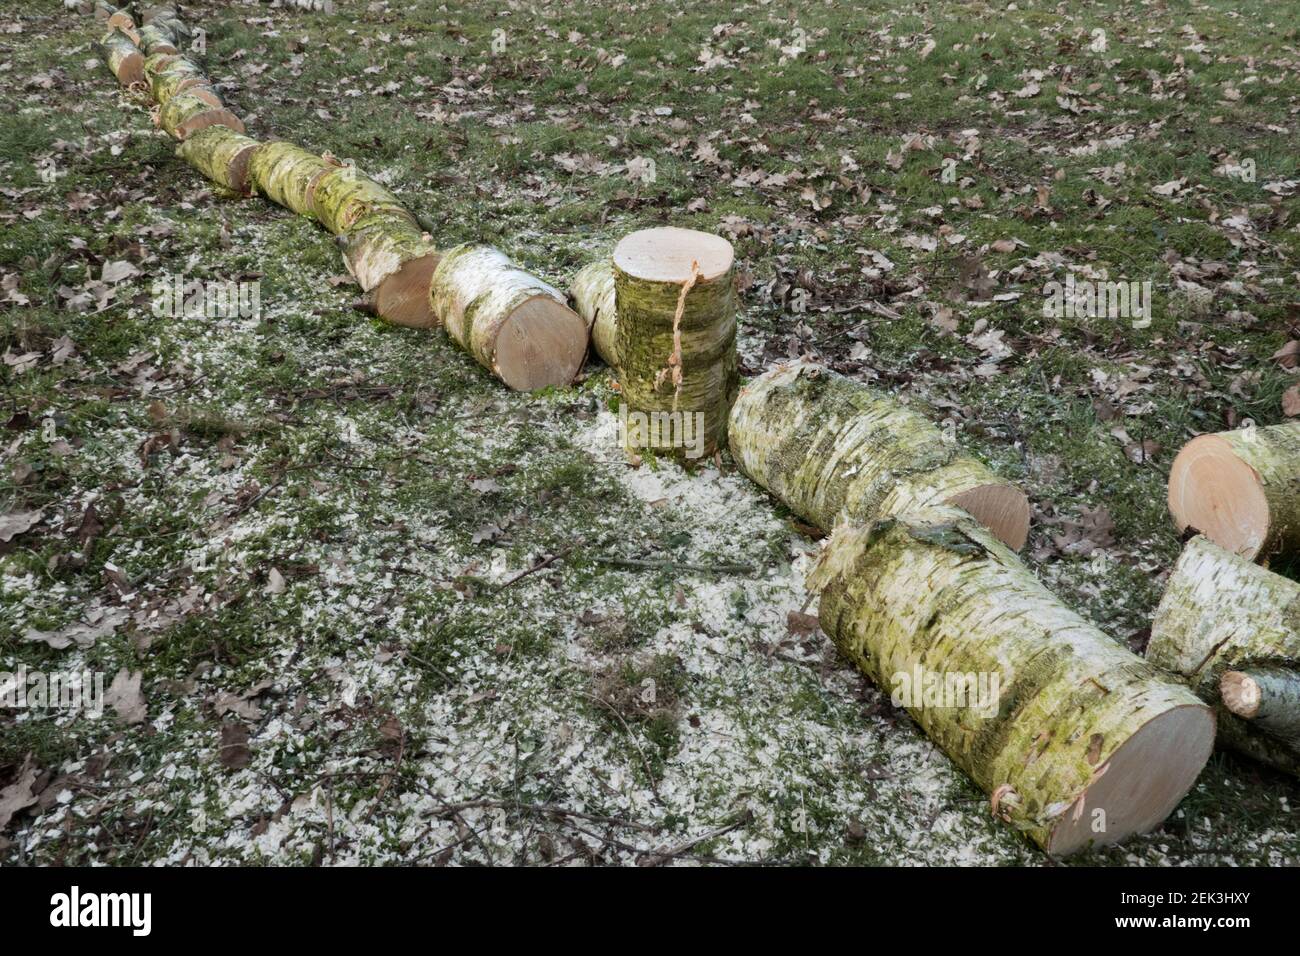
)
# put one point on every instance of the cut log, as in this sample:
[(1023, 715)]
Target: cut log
[(154, 39), (169, 75), (287, 174), (222, 155), (1222, 614), (1241, 489), (187, 113), (592, 292), (1076, 740), (123, 57), (832, 449), (513, 323), (388, 252), (344, 194), (675, 299)]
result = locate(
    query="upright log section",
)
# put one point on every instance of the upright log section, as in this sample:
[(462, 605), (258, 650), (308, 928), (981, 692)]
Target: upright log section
[(1241, 489), (675, 341), (1231, 629), (832, 449), (512, 322), (1079, 742)]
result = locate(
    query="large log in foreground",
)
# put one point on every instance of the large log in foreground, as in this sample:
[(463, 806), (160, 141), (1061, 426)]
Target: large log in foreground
[(1079, 742), (1241, 489), (832, 449), (1232, 630), (675, 337)]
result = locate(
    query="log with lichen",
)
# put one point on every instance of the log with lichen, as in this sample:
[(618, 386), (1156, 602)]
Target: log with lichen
[(287, 174), (123, 56), (393, 260), (513, 323), (675, 338), (1076, 740), (592, 292), (833, 449), (1241, 489), (222, 155), (186, 113), (1231, 629)]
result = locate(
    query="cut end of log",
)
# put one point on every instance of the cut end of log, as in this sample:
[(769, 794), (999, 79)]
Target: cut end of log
[(1142, 782), (1241, 693), (1212, 490), (542, 343), (403, 297), (130, 70), (1002, 508), (212, 117), (666, 254)]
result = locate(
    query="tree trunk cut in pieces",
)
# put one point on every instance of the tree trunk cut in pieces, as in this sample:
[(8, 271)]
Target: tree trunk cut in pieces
[(344, 194), (675, 301), (222, 155), (186, 114), (1231, 629), (513, 323), (834, 450), (388, 253), (124, 59), (169, 75), (592, 292), (1241, 489), (287, 174), (1076, 740)]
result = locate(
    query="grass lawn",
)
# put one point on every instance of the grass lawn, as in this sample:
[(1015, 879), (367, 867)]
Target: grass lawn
[(304, 530)]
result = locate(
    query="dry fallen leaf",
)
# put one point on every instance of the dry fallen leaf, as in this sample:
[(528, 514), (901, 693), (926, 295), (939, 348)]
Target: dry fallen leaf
[(20, 794), (124, 696), (18, 522)]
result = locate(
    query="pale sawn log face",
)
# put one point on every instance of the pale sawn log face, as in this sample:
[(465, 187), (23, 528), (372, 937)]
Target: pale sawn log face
[(1221, 612), (833, 449), (592, 292), (936, 593), (124, 59), (1239, 488), (643, 344), (479, 296)]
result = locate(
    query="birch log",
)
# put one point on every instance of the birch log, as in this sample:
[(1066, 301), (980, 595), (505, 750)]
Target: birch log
[(1241, 489), (675, 340), (1076, 740), (1231, 629), (287, 175), (124, 58), (188, 112), (832, 449), (513, 323), (222, 155), (592, 292), (344, 194), (393, 259)]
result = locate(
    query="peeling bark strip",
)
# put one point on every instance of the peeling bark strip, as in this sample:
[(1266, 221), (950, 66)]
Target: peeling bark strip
[(1220, 613), (592, 292), (1089, 743), (651, 269), (222, 155), (513, 323), (1240, 489), (124, 59), (832, 449)]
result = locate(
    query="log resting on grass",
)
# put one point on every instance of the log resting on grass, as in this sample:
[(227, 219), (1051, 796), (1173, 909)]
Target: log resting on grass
[(513, 323), (832, 449), (392, 258), (124, 58), (344, 194), (222, 155), (1066, 721), (1241, 489), (189, 112), (169, 75), (592, 292), (1231, 629), (286, 174), (675, 300)]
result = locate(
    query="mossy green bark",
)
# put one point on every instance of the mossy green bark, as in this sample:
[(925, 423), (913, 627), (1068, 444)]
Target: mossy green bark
[(379, 243), (169, 75), (1221, 612), (1274, 453), (220, 154), (643, 344), (936, 593), (123, 57), (345, 194), (285, 174), (188, 112), (592, 292), (833, 449)]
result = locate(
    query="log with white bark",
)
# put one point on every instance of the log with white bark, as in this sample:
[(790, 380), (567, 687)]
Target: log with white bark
[(513, 323), (222, 155), (123, 56), (1241, 489), (169, 75), (592, 292), (1231, 629), (832, 449), (675, 299), (1076, 740), (393, 260), (287, 175)]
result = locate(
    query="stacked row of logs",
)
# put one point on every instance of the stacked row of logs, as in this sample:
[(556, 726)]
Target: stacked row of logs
[(1085, 743)]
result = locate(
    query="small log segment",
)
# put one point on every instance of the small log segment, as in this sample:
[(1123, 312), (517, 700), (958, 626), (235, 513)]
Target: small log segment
[(123, 56), (592, 292), (1076, 740), (514, 324), (222, 155), (1231, 629), (675, 336), (1241, 489), (832, 449)]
